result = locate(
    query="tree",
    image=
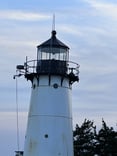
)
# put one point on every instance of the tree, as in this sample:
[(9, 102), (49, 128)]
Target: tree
[(106, 141), (84, 139), (87, 142)]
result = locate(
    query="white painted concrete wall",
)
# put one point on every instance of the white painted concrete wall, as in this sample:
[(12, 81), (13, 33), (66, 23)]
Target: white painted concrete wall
[(49, 128)]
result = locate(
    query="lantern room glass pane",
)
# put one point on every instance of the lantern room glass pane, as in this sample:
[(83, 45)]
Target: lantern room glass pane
[(49, 53)]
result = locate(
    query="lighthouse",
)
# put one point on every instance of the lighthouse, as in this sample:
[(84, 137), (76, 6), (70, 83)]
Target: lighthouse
[(52, 74)]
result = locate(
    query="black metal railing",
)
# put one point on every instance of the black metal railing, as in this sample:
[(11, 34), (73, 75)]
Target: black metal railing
[(50, 67)]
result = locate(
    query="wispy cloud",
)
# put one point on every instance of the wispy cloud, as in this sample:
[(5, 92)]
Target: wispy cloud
[(22, 15), (107, 8)]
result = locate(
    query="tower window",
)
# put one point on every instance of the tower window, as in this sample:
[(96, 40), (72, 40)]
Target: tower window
[(46, 135)]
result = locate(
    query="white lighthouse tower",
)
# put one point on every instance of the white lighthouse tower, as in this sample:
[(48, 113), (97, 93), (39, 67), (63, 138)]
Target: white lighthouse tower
[(49, 127)]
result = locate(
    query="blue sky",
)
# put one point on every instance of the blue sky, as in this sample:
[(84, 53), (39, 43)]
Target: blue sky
[(89, 28)]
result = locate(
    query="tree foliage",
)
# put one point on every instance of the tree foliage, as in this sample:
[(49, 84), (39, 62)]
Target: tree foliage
[(89, 142)]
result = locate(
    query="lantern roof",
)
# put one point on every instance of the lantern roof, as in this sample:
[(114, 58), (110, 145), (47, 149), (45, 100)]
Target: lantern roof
[(53, 42)]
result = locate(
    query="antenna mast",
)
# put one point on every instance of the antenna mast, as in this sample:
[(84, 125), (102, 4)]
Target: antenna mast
[(53, 23)]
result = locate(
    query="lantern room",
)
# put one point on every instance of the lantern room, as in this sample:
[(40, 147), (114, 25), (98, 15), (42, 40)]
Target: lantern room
[(52, 56), (52, 59)]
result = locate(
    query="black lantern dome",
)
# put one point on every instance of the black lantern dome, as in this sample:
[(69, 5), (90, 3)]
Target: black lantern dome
[(53, 41)]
